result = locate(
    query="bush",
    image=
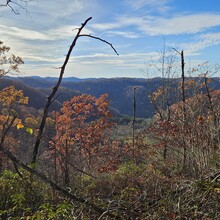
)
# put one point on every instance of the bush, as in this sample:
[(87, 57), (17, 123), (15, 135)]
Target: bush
[(20, 194)]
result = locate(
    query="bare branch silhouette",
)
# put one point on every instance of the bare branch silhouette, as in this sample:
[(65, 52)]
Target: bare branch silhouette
[(10, 4), (98, 38), (56, 87)]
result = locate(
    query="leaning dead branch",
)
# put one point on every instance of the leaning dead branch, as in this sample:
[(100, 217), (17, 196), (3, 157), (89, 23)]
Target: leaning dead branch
[(56, 187), (56, 87)]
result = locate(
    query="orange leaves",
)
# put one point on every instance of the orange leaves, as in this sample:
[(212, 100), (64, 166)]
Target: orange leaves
[(79, 105), (87, 106), (83, 121)]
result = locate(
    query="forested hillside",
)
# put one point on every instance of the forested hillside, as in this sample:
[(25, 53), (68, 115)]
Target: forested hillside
[(119, 90)]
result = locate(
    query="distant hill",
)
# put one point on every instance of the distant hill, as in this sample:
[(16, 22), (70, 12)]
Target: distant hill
[(46, 82), (120, 91), (36, 98)]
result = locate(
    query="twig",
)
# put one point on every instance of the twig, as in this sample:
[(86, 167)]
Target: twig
[(98, 38), (76, 168), (105, 211), (9, 2)]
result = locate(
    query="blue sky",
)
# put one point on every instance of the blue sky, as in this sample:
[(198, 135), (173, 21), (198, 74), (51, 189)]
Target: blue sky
[(138, 29)]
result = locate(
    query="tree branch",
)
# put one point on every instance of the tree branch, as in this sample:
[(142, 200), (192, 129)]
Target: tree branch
[(10, 2), (98, 38), (55, 88), (71, 164), (56, 187)]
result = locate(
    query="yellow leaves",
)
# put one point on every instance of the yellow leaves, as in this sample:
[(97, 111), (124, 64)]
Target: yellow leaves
[(20, 125), (155, 95), (10, 98), (28, 130), (10, 95), (24, 100)]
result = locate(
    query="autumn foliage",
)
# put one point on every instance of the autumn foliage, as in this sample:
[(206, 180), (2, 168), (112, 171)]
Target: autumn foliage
[(82, 131), (93, 168), (188, 132), (10, 100)]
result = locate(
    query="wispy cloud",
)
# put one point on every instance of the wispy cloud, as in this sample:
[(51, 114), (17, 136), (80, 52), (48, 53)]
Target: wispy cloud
[(153, 26), (39, 52), (160, 6), (60, 32), (185, 24), (43, 41), (23, 33), (200, 42), (125, 34), (59, 10), (101, 64)]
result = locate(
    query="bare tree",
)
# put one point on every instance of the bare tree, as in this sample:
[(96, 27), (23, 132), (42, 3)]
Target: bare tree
[(133, 123)]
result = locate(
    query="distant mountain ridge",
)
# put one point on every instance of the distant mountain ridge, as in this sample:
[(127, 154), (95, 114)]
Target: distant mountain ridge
[(120, 91)]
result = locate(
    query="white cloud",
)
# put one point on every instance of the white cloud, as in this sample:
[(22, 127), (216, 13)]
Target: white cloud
[(160, 6), (61, 32), (57, 10), (198, 43), (211, 38), (185, 24), (65, 32), (125, 34), (121, 22), (154, 26), (107, 26), (82, 66), (23, 33), (43, 42)]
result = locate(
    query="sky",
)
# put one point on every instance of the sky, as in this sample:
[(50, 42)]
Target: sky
[(138, 29)]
